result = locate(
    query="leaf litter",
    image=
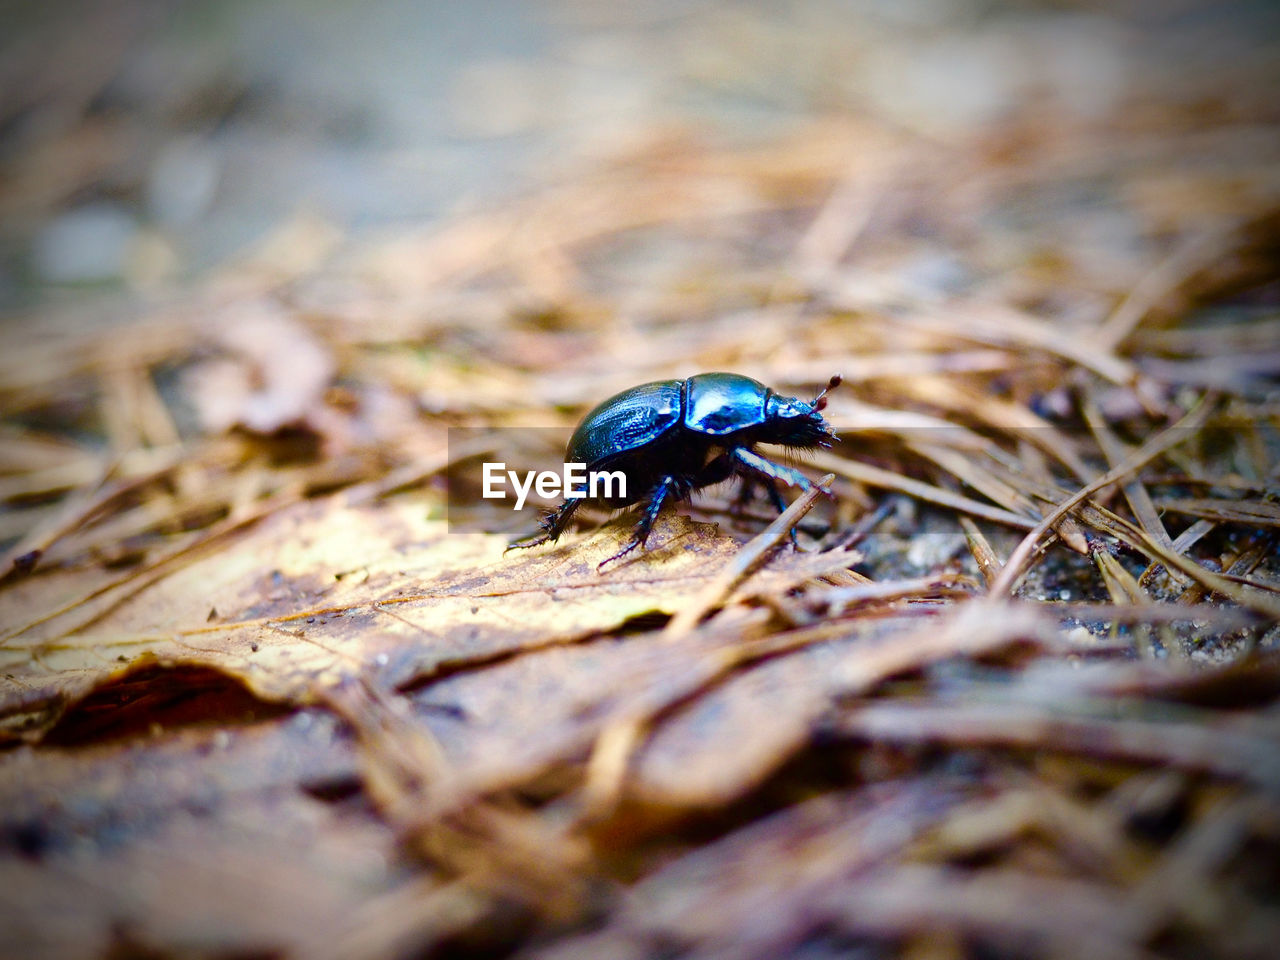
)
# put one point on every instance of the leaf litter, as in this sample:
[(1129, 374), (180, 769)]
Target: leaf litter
[(1013, 693)]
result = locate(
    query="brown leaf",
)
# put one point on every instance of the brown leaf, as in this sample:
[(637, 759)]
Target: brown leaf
[(320, 592)]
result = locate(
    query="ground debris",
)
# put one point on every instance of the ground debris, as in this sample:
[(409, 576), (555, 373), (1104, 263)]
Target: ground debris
[(271, 683)]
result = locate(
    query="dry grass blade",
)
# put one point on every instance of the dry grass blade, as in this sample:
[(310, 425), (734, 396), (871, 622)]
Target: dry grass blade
[(888, 480), (1168, 438), (983, 555), (407, 774), (1009, 418), (1180, 886), (386, 927), (118, 589), (79, 509), (1257, 513), (1259, 597), (1181, 544), (1234, 753), (1188, 255), (1134, 491), (998, 906), (751, 556), (999, 326), (842, 599), (1124, 589), (984, 481)]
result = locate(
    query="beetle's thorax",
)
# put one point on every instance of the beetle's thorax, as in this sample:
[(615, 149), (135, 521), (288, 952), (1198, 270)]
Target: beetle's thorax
[(718, 404)]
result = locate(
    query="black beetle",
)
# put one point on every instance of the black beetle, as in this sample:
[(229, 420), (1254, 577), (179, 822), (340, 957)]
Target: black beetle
[(672, 437)]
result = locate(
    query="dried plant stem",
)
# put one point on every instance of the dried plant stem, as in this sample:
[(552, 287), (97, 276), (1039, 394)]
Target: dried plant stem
[(747, 560), (1170, 437)]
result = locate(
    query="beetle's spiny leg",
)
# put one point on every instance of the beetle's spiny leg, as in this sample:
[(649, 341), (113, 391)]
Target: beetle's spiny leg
[(771, 488), (717, 471), (746, 489), (526, 542), (553, 525), (747, 484), (775, 497), (769, 471), (780, 505), (749, 481), (763, 466), (665, 487)]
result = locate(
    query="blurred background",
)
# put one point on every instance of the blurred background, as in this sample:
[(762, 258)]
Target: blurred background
[(143, 143), (258, 262)]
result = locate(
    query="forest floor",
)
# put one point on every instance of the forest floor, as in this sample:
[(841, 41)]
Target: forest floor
[(270, 684)]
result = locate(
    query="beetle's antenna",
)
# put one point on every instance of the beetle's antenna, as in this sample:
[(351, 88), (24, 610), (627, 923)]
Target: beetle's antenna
[(820, 401)]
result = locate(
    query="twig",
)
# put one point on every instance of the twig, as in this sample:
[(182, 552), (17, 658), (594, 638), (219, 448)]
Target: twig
[(1014, 568), (745, 561)]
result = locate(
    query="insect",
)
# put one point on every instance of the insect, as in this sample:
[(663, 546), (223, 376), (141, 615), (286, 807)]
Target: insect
[(672, 437)]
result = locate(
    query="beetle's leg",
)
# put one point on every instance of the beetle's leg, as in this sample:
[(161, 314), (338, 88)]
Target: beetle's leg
[(724, 466), (719, 470), (664, 488), (764, 467), (746, 489), (751, 478), (774, 496), (748, 482), (769, 471), (552, 524)]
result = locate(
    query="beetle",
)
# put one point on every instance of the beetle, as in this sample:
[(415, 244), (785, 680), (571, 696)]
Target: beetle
[(671, 437)]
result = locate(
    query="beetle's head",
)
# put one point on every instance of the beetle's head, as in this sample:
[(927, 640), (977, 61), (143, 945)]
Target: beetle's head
[(796, 423)]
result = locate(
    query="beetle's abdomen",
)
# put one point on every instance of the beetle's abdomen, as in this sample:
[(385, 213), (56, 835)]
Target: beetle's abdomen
[(626, 421), (721, 403)]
